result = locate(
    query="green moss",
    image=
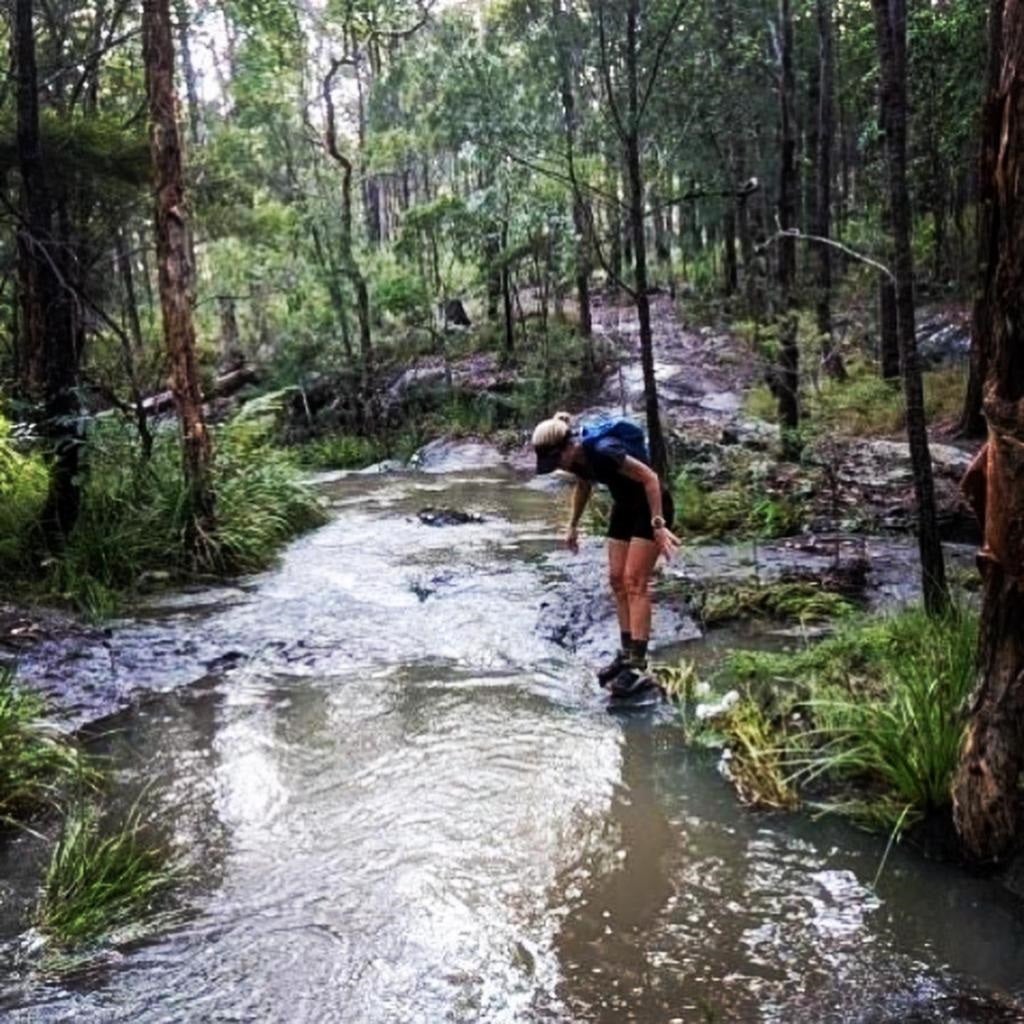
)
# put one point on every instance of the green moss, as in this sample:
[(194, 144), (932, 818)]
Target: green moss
[(787, 601)]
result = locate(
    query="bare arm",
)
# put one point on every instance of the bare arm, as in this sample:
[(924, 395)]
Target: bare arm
[(580, 496)]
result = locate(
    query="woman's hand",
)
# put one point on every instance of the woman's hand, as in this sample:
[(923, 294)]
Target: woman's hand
[(666, 542), (572, 539)]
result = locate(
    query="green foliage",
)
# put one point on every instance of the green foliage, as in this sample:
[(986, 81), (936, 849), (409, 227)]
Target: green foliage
[(743, 509), (883, 702), (102, 877), (788, 601), (133, 511), (23, 486), (38, 763), (339, 451), (865, 405), (756, 765)]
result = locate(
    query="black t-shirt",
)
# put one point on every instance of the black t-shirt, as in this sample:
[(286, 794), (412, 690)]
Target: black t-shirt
[(603, 461)]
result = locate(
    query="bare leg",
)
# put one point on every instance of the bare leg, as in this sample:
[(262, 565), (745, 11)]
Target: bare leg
[(640, 560), (617, 552)]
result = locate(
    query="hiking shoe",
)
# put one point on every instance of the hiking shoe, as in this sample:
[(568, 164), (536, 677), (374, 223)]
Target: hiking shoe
[(631, 681), (613, 668)]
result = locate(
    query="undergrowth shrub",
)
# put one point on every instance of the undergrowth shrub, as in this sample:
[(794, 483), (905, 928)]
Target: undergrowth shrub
[(23, 486), (38, 762), (879, 711), (133, 518)]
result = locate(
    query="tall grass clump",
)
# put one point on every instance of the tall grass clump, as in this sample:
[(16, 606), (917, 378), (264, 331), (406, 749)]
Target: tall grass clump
[(879, 712), (135, 511), (38, 763), (339, 451), (100, 878)]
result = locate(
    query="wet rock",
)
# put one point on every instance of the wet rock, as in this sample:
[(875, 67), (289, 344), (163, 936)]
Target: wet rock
[(452, 455), (944, 338), (447, 517), (750, 433)]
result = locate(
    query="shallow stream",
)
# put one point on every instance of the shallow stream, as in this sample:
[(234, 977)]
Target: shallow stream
[(403, 802)]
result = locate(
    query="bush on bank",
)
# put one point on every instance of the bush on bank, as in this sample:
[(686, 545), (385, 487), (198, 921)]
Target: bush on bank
[(866, 723)]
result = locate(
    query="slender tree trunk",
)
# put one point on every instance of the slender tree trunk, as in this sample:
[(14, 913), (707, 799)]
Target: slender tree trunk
[(579, 212), (891, 24), (972, 420), (614, 232), (986, 790), (350, 266), (133, 344), (658, 449), (48, 321), (788, 380), (189, 72), (831, 357), (506, 296), (888, 330), (730, 263), (174, 269)]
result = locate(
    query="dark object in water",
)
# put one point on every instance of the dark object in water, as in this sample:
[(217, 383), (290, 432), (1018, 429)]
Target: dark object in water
[(447, 517), (634, 691)]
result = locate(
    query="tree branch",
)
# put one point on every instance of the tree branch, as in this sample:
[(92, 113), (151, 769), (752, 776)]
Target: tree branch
[(852, 253)]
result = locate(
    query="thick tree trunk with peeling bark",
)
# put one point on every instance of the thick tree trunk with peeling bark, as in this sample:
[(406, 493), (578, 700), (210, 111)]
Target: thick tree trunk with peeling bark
[(972, 420), (891, 25), (174, 268), (986, 791)]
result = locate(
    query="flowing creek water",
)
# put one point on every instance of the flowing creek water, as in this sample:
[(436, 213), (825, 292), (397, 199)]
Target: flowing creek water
[(403, 801)]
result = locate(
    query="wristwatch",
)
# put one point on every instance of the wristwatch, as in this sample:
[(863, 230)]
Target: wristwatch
[(658, 523)]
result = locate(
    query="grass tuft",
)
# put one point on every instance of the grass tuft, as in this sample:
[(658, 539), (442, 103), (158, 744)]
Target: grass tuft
[(38, 763), (868, 721), (99, 879), (788, 601)]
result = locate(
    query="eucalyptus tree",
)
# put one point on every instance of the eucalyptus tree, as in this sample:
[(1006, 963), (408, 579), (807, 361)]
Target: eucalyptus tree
[(891, 22), (175, 270), (986, 790), (632, 42)]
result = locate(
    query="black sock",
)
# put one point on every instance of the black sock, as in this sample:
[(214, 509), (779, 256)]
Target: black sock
[(638, 654), (626, 641)]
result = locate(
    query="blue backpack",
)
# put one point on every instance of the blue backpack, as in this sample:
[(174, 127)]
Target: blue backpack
[(626, 431)]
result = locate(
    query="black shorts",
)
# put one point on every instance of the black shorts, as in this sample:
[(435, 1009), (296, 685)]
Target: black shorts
[(631, 519)]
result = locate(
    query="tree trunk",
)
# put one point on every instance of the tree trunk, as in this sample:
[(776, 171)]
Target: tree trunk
[(831, 357), (986, 794), (48, 326), (732, 275), (986, 790), (888, 330), (189, 71), (972, 420), (132, 343), (350, 268), (174, 270), (506, 296), (891, 25), (579, 211), (658, 449), (788, 379)]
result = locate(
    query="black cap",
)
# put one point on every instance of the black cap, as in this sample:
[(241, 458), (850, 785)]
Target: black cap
[(549, 458)]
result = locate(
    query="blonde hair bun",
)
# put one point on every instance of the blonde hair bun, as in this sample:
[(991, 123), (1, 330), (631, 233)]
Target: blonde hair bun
[(553, 432)]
